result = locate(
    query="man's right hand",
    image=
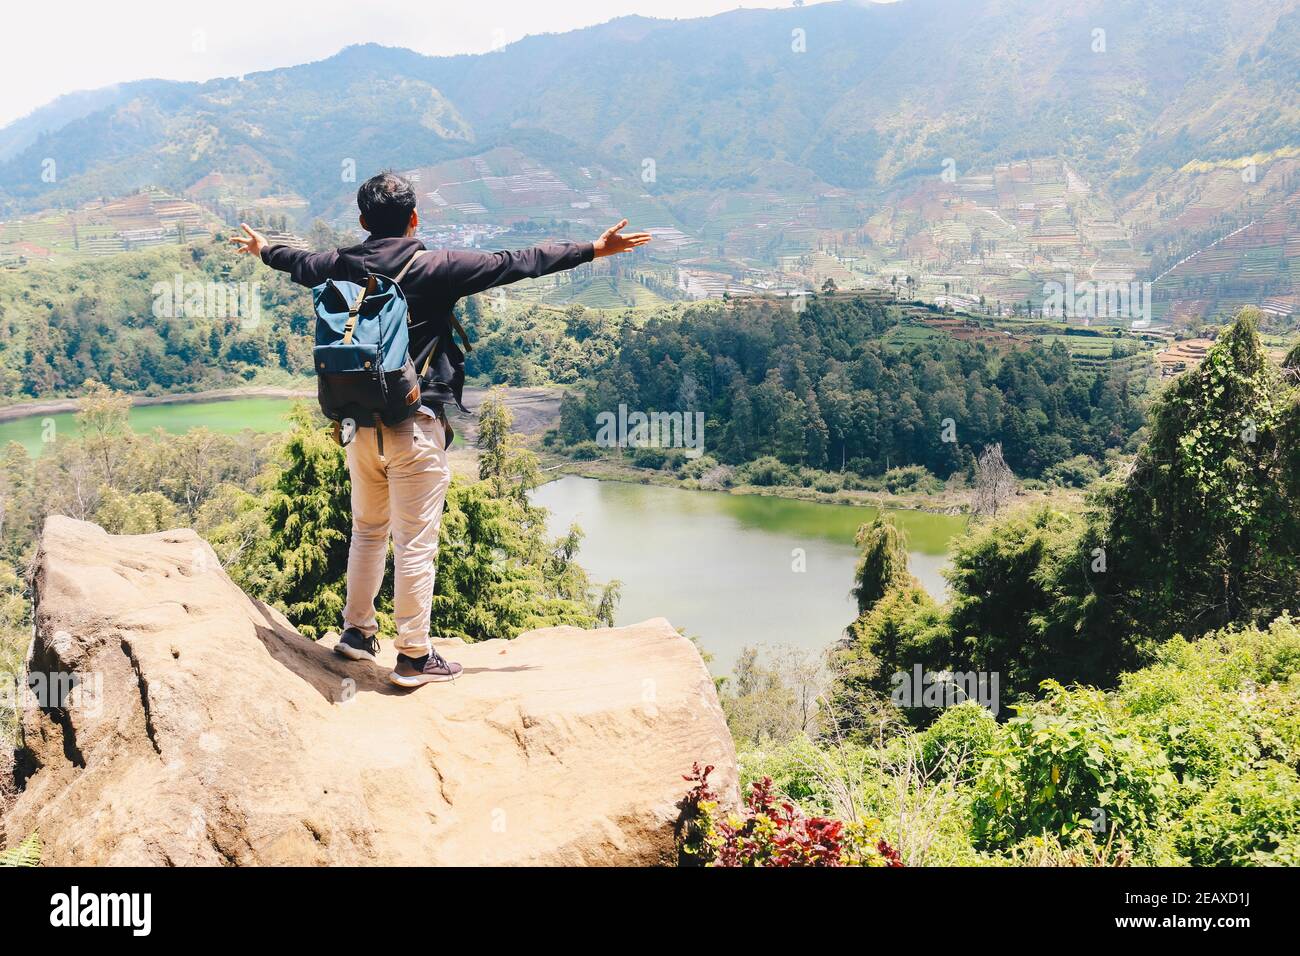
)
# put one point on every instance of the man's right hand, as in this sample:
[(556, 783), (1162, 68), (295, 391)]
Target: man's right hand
[(252, 241)]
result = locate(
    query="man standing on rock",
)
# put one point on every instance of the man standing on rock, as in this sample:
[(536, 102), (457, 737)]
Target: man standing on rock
[(402, 492)]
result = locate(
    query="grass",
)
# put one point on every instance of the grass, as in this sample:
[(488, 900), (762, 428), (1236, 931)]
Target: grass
[(903, 336), (606, 292)]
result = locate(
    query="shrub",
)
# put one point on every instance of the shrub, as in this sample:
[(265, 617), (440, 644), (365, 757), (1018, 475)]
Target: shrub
[(903, 628), (699, 467), (959, 741), (911, 478), (1220, 704), (772, 832), (1081, 849), (828, 481), (766, 472), (651, 457), (1245, 820), (1078, 471), (1068, 764)]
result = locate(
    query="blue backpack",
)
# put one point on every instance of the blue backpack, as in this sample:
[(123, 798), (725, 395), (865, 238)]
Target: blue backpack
[(364, 371)]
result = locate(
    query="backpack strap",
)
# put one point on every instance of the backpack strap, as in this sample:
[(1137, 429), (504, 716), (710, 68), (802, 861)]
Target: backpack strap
[(402, 275), (460, 330), (428, 358), (370, 287), (356, 307)]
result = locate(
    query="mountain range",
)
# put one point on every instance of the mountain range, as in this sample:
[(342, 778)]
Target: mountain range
[(854, 94), (797, 121)]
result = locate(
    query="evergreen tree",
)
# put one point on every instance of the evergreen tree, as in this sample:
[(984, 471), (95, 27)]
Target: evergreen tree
[(503, 460), (882, 561), (1201, 534), (309, 524)]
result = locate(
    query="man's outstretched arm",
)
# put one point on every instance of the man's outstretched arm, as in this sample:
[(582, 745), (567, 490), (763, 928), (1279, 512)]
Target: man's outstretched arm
[(305, 268), (470, 272)]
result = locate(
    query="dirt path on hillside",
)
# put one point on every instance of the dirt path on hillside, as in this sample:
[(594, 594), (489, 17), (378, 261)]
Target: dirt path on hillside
[(535, 410)]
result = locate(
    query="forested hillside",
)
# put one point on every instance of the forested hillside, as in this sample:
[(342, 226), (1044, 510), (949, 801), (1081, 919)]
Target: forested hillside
[(120, 321), (823, 388)]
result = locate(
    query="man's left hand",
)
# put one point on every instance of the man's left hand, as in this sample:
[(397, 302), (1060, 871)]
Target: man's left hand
[(612, 241)]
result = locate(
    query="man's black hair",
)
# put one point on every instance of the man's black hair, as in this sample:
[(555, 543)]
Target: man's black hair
[(387, 201)]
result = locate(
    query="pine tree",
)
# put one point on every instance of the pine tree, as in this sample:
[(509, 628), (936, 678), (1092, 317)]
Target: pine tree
[(1202, 533), (309, 517), (882, 561), (503, 461)]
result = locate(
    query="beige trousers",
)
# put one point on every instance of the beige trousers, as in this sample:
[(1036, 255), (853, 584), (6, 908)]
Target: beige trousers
[(401, 494)]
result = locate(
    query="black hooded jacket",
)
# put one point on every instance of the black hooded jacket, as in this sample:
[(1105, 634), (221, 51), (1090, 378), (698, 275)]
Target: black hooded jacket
[(434, 284)]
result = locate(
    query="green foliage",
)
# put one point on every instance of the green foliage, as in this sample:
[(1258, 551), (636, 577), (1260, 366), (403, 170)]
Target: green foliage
[(96, 319), (26, 853), (1020, 604), (882, 561), (534, 345), (960, 740), (767, 471), (496, 576), (660, 459), (909, 478), (1069, 763), (1245, 820), (1192, 760), (773, 699), (309, 522), (1202, 533), (904, 627), (1206, 529), (1076, 472), (141, 512), (502, 458), (15, 635)]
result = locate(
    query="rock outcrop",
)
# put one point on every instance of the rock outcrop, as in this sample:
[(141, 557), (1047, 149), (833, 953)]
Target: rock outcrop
[(203, 729)]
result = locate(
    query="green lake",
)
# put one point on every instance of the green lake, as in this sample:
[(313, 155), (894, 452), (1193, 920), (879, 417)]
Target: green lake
[(727, 568), (233, 415)]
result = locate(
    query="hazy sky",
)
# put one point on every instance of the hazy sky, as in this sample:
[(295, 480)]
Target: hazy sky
[(59, 47)]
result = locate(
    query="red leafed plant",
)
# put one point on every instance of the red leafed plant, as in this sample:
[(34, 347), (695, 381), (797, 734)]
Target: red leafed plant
[(769, 831)]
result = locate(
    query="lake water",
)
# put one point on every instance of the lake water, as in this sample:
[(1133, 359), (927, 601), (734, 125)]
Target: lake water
[(724, 566), (721, 566), (234, 415)]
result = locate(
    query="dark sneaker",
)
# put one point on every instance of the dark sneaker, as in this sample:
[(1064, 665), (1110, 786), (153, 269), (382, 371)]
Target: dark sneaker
[(429, 669), (356, 646)]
